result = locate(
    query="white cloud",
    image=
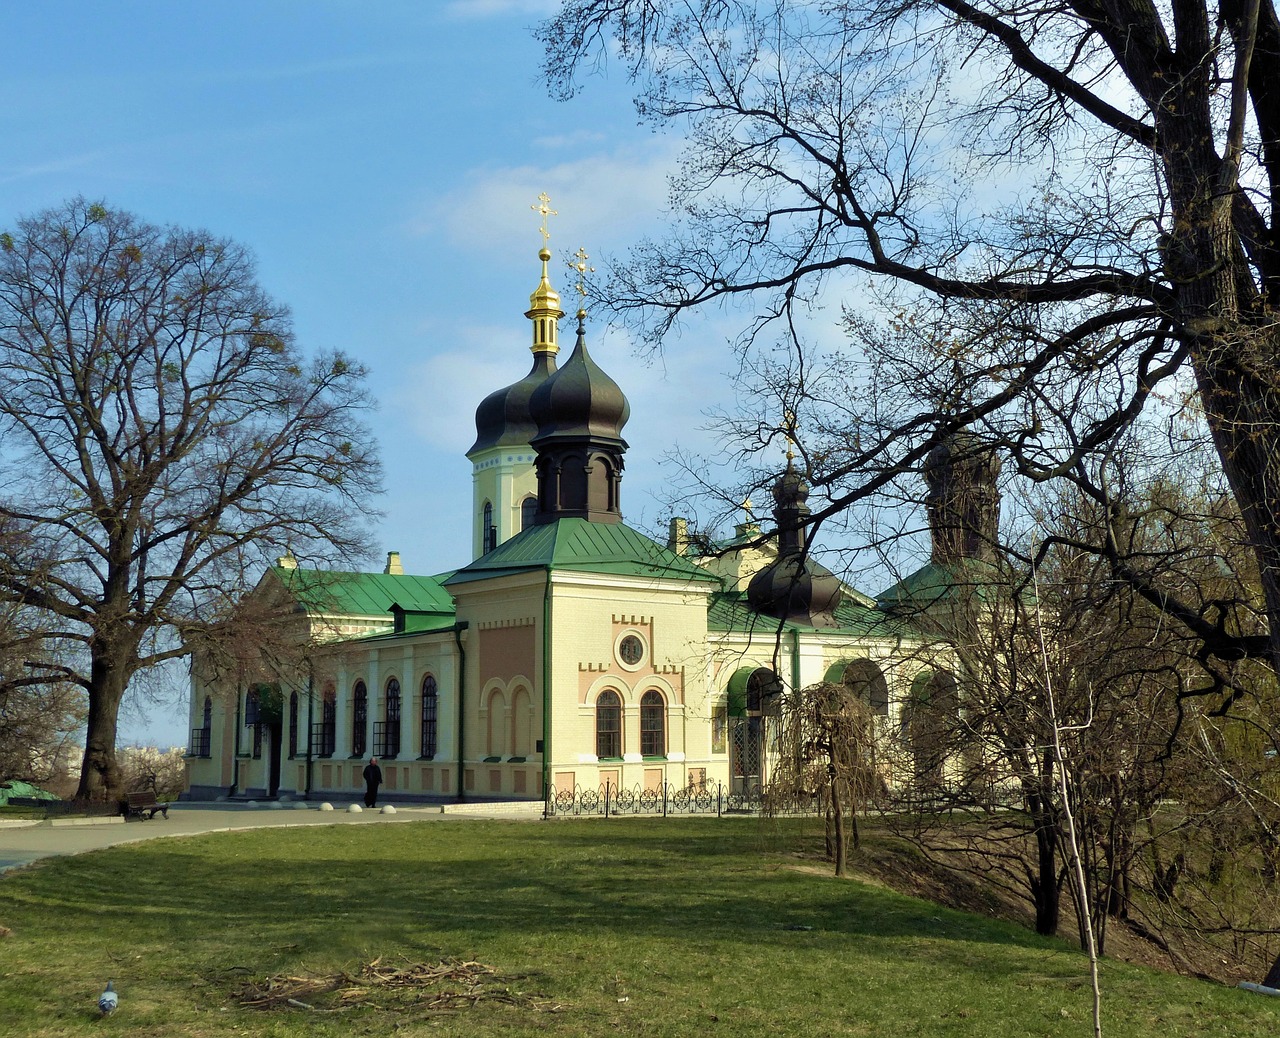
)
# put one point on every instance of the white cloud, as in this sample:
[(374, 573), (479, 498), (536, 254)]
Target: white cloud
[(604, 201)]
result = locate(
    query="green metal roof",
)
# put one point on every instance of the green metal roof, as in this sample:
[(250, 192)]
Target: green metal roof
[(939, 583), (730, 611), (334, 592), (583, 546)]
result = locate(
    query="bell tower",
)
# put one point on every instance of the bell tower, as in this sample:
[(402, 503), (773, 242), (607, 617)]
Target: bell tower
[(503, 479)]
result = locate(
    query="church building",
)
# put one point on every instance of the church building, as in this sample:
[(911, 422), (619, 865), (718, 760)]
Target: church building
[(571, 651)]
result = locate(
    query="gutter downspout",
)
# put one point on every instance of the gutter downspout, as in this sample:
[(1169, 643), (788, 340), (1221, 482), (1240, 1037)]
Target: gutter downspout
[(546, 695), (311, 695), (235, 751), (795, 660), (458, 628)]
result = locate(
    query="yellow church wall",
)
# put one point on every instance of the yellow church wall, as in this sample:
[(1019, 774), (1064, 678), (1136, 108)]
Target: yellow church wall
[(592, 615), (502, 686)]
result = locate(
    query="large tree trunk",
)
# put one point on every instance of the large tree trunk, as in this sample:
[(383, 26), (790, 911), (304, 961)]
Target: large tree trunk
[(1045, 889), (837, 811), (1221, 315), (109, 673)]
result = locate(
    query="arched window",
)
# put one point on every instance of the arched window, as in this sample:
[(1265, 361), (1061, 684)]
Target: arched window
[(293, 724), (528, 509), (360, 720), (488, 532), (200, 743), (609, 725), (387, 742), (653, 725), (430, 706), (326, 737), (253, 718)]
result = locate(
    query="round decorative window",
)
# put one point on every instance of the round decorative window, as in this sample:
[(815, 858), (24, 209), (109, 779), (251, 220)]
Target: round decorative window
[(631, 650)]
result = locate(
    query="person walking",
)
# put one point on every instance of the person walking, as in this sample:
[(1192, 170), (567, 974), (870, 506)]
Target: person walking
[(372, 780)]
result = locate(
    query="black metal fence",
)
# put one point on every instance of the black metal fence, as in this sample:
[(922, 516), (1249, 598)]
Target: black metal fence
[(610, 799)]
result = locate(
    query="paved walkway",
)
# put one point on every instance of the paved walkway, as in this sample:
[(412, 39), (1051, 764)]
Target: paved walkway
[(24, 842)]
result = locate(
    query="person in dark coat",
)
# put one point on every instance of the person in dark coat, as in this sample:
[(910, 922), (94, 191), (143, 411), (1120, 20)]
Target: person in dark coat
[(372, 780)]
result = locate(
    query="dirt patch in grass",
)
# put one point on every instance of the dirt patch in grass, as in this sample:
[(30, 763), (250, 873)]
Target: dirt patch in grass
[(444, 986)]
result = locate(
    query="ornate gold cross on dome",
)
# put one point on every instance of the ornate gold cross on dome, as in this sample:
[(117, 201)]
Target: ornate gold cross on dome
[(544, 207), (583, 270), (789, 431)]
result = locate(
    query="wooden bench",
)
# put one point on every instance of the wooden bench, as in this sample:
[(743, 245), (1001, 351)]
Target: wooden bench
[(144, 802)]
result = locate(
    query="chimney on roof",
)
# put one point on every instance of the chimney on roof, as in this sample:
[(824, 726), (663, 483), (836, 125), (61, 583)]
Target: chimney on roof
[(678, 535), (393, 564)]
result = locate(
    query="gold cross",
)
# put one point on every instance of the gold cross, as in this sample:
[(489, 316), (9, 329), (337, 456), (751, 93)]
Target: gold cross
[(582, 269), (544, 207), (789, 431)]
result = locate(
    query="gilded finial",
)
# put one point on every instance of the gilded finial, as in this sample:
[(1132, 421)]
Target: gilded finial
[(544, 207), (544, 303), (789, 431), (583, 270), (747, 506)]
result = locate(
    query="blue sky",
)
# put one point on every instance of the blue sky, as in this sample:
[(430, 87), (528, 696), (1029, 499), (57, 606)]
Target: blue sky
[(381, 160)]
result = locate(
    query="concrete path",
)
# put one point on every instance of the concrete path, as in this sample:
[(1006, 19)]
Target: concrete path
[(24, 842)]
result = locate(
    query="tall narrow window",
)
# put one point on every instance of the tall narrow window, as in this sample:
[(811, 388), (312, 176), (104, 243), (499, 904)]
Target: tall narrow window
[(430, 705), (389, 744), (360, 720), (324, 738), (528, 509), (201, 736), (609, 725), (293, 724), (489, 532), (653, 725)]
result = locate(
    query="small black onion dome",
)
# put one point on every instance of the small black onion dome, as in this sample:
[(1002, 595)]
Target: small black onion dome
[(797, 589), (580, 401), (503, 417), (790, 488)]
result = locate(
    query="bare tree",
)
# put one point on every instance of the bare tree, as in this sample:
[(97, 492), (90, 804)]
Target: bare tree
[(826, 748), (1078, 198), (41, 712), (161, 437)]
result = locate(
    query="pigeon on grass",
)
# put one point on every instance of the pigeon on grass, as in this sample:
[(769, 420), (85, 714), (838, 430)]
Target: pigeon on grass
[(108, 1000)]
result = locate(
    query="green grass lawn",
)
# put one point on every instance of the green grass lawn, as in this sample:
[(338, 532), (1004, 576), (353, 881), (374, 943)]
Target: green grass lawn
[(632, 927)]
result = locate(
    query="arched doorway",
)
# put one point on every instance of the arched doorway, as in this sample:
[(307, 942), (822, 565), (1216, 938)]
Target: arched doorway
[(754, 694), (929, 722)]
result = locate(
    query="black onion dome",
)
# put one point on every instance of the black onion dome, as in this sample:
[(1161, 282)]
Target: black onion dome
[(798, 589), (503, 417), (580, 401), (790, 489), (794, 587)]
